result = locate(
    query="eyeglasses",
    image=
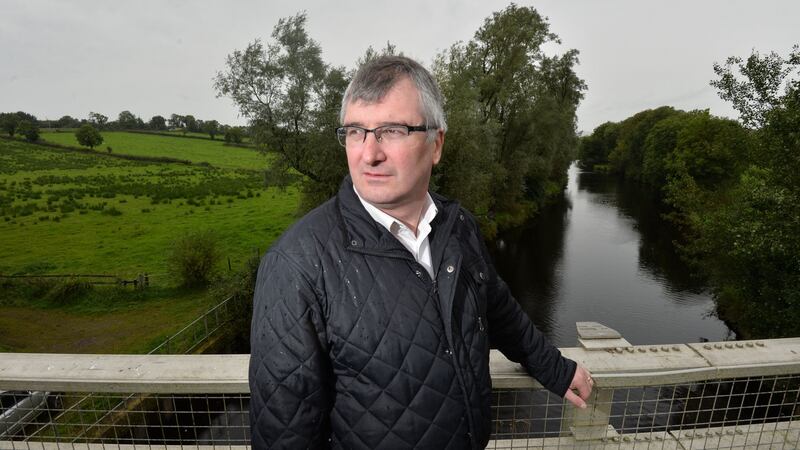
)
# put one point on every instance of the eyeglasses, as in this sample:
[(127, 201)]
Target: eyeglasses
[(353, 135)]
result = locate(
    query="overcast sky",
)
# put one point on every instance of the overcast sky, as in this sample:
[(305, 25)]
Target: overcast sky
[(158, 57)]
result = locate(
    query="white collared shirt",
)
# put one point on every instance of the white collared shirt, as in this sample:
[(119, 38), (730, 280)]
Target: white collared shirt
[(418, 244)]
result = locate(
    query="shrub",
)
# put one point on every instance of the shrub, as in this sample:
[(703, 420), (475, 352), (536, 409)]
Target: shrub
[(194, 257), (29, 130), (63, 292), (111, 212)]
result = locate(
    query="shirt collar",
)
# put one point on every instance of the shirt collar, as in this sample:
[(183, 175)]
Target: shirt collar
[(429, 211)]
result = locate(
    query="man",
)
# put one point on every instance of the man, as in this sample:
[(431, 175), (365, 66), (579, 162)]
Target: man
[(373, 315)]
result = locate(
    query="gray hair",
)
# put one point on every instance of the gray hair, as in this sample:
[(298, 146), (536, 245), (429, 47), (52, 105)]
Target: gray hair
[(375, 78)]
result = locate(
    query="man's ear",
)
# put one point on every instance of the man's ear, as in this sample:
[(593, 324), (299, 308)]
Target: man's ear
[(438, 143)]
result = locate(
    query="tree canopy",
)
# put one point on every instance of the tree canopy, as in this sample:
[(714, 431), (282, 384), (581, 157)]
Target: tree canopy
[(510, 108), (512, 114), (88, 136), (292, 100)]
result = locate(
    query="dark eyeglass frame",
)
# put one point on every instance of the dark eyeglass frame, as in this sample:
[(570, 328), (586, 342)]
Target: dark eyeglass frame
[(341, 132)]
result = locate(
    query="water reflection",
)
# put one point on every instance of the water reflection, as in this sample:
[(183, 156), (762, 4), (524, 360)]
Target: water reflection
[(604, 253)]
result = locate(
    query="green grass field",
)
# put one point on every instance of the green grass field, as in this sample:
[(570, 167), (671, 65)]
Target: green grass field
[(70, 212), (67, 212), (213, 152)]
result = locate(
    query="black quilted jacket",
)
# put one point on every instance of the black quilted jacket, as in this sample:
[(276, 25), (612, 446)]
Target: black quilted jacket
[(355, 346)]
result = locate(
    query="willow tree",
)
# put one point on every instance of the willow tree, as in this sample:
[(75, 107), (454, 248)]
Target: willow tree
[(292, 99), (511, 110)]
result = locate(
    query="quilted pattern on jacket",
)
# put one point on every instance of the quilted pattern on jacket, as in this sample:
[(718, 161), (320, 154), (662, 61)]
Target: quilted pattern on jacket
[(354, 346)]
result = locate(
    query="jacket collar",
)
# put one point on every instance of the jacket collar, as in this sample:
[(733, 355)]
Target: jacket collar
[(365, 235)]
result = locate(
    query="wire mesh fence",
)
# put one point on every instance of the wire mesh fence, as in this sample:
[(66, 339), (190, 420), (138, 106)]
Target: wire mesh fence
[(740, 413), (196, 332), (89, 417)]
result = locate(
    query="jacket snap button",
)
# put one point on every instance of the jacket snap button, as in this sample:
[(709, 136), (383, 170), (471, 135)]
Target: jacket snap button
[(450, 269), (448, 352), (354, 243), (481, 276), (419, 274)]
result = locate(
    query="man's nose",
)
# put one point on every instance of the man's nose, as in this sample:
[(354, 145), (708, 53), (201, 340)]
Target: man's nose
[(372, 152)]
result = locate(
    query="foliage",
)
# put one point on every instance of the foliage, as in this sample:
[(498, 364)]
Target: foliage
[(756, 89), (10, 122), (241, 286), (98, 120), (67, 122), (88, 136), (593, 149), (234, 135), (627, 155), (29, 130), (211, 127), (175, 121), (193, 258), (512, 114), (190, 123), (128, 121), (292, 99), (158, 123)]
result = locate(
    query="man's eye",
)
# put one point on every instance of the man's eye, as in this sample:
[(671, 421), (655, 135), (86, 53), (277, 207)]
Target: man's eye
[(352, 132), (394, 131)]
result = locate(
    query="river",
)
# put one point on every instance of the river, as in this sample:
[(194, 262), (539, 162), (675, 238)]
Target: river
[(603, 253)]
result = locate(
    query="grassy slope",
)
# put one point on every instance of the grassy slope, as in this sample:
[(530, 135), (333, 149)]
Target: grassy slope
[(244, 216), (129, 327), (195, 150), (134, 241)]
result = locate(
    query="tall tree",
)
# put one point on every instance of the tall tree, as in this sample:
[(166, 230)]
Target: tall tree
[(29, 130), (127, 120), (175, 121), (89, 136), (291, 98), (157, 123), (190, 124), (211, 127), (9, 122), (67, 122), (515, 108), (758, 84), (98, 119)]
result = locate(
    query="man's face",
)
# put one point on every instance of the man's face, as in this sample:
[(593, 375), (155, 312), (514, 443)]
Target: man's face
[(392, 176)]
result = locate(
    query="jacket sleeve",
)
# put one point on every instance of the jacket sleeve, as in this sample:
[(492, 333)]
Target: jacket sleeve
[(513, 333), (289, 375)]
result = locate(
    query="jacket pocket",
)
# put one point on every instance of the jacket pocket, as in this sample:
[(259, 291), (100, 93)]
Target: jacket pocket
[(475, 279)]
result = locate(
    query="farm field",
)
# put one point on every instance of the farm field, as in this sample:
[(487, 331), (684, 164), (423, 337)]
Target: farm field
[(67, 212), (213, 152)]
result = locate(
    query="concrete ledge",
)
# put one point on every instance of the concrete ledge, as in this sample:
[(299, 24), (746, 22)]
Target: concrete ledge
[(640, 365)]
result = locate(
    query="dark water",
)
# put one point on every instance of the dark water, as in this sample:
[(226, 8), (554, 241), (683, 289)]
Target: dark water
[(605, 254)]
